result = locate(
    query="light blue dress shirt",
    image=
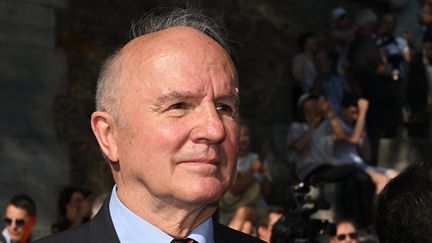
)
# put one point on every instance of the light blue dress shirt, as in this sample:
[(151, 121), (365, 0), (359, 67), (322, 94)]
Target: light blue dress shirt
[(131, 228)]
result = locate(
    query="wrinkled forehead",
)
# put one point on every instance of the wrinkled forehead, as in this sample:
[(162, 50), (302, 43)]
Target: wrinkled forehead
[(180, 42)]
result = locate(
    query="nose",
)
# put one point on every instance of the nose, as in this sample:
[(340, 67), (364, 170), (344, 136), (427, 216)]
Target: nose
[(14, 225), (210, 127)]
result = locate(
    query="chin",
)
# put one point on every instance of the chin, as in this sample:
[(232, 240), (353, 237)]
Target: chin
[(206, 192)]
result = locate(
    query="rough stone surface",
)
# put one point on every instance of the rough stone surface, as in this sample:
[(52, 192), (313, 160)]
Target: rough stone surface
[(34, 160)]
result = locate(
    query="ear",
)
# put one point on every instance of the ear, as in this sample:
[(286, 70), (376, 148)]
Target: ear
[(103, 127)]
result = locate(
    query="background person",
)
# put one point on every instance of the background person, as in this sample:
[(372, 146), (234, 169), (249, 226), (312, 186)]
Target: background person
[(74, 208), (354, 148), (19, 219), (266, 222), (244, 201), (346, 232), (311, 149)]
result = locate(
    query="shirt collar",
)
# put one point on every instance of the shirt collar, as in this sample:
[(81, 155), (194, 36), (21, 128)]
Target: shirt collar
[(132, 228), (6, 235)]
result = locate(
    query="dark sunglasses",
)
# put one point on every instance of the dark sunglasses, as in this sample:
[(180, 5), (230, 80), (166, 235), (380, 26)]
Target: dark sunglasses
[(350, 235), (18, 222)]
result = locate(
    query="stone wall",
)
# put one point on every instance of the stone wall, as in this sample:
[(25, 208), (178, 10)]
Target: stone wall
[(32, 71)]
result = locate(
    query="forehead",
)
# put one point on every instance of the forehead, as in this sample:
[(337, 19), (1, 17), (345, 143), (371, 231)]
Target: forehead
[(166, 49), (343, 227), (351, 108), (310, 103), (15, 212)]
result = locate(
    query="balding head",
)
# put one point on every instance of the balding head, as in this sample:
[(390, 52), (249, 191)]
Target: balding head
[(143, 32)]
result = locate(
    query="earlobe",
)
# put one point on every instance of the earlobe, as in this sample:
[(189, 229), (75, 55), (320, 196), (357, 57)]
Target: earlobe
[(104, 129)]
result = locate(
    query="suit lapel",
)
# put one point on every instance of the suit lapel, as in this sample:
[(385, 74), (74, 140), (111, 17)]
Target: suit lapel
[(101, 228)]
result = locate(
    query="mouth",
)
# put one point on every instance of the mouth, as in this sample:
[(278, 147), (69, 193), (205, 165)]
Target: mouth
[(203, 161)]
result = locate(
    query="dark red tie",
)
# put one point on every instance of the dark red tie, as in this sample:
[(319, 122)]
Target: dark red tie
[(186, 240)]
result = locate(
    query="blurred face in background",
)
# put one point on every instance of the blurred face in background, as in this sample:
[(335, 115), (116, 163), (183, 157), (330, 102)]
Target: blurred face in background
[(311, 111), (244, 140), (350, 114), (387, 24), (345, 233), (311, 44), (344, 22), (77, 207), (18, 223), (323, 63)]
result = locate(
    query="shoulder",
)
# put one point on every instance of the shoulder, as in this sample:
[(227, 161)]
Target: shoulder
[(224, 234)]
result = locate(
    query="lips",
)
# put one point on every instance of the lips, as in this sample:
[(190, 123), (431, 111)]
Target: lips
[(202, 161)]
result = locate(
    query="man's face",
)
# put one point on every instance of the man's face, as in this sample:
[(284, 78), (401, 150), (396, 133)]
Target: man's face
[(18, 223), (77, 206), (350, 114), (387, 23), (244, 140), (311, 44), (323, 63), (179, 102), (346, 233), (311, 111)]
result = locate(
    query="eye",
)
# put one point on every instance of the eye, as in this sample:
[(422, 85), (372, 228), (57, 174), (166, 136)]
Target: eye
[(224, 108), (178, 106), (230, 110)]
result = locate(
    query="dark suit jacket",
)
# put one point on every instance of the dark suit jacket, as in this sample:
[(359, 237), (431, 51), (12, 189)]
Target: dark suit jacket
[(101, 230)]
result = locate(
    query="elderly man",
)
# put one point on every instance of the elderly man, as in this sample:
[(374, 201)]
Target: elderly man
[(167, 122), (19, 219), (404, 206)]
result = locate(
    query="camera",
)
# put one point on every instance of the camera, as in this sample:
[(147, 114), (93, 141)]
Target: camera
[(297, 224)]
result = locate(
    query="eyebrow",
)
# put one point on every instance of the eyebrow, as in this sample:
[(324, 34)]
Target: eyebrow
[(176, 95)]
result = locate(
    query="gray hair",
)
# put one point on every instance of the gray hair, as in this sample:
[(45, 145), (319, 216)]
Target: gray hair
[(154, 21), (163, 18)]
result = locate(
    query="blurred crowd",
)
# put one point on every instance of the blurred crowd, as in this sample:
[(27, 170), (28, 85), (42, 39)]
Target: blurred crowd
[(368, 84)]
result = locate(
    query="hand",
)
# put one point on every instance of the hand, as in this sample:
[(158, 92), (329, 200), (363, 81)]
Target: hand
[(363, 105), (256, 166), (265, 171), (324, 105)]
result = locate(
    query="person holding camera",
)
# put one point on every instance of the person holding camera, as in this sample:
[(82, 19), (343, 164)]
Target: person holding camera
[(311, 148)]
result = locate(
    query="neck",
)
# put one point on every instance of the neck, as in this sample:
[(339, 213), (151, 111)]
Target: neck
[(174, 218)]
